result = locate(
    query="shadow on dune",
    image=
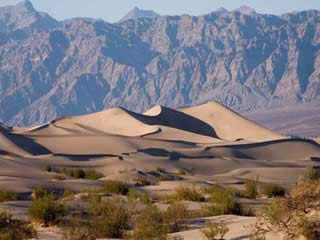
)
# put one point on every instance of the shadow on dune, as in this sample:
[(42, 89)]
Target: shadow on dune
[(157, 152), (315, 159), (170, 118), (87, 157), (26, 144)]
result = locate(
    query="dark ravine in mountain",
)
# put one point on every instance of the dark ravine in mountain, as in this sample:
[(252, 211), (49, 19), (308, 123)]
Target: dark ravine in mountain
[(242, 59)]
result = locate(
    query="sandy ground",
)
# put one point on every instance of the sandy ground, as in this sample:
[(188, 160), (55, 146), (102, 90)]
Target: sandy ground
[(211, 143)]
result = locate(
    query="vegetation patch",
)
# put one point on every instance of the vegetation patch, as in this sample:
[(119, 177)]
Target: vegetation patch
[(295, 215), (188, 194), (115, 187), (89, 174), (8, 196), (47, 210), (13, 229), (273, 190), (223, 201), (106, 220), (215, 231)]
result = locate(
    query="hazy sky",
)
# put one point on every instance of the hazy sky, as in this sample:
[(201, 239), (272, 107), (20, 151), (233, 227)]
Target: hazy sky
[(113, 10)]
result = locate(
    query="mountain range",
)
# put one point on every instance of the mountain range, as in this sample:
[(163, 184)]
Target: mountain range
[(243, 59)]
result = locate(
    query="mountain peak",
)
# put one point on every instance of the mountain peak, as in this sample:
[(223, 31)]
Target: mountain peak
[(25, 5), (137, 13), (246, 10)]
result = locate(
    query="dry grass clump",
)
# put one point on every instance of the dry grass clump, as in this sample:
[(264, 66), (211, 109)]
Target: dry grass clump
[(223, 201), (174, 215), (215, 231), (312, 174), (152, 223), (141, 196), (106, 220), (149, 225), (6, 196), (251, 188), (47, 210), (89, 174), (142, 180), (273, 190), (296, 215), (115, 187), (188, 194), (13, 229)]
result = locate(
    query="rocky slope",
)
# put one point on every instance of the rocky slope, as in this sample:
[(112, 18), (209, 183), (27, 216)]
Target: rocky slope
[(242, 59), (137, 13)]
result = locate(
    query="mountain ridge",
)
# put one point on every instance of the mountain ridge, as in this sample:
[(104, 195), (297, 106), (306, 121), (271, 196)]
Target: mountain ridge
[(246, 62)]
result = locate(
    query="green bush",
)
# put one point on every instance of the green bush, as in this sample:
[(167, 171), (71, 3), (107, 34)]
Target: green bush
[(312, 174), (149, 225), (116, 187), (222, 201), (13, 229), (48, 168), (90, 174), (46, 210), (40, 192), (182, 172), (273, 190), (173, 216), (251, 188), (106, 220), (142, 181), (215, 231), (8, 196), (142, 196), (188, 194)]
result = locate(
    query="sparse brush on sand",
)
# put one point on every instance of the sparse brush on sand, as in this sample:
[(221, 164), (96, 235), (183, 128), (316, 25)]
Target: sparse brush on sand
[(166, 174)]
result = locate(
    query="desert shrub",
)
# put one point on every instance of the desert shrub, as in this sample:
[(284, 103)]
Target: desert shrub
[(58, 177), (251, 188), (160, 170), (312, 174), (116, 187), (77, 229), (222, 201), (48, 168), (215, 231), (142, 181), (142, 196), (90, 174), (74, 172), (273, 190), (189, 194), (182, 172), (173, 216), (40, 192), (13, 229), (108, 220), (149, 225), (292, 215), (8, 196), (46, 210), (67, 193)]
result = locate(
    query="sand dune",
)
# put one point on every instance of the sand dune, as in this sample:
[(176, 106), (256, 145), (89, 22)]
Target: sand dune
[(228, 125), (209, 142), (317, 140)]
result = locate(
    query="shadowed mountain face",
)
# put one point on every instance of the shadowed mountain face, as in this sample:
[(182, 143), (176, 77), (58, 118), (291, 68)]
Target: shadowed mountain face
[(241, 59)]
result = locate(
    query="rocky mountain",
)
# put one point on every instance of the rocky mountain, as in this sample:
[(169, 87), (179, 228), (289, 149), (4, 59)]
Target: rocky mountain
[(137, 13), (242, 59)]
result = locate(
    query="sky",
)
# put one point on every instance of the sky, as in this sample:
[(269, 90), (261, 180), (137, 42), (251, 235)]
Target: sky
[(114, 10)]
